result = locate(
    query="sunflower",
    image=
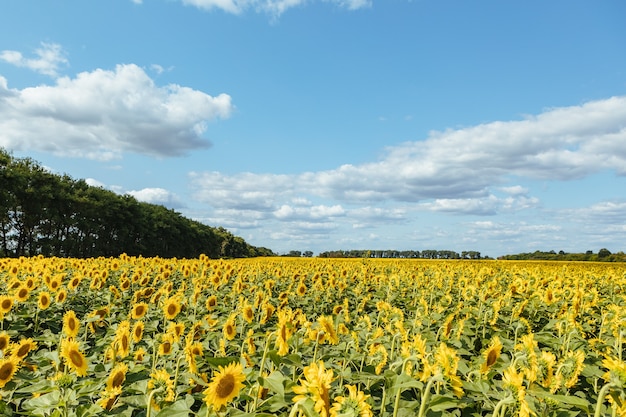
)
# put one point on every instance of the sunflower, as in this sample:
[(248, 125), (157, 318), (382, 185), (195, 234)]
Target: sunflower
[(21, 349), (138, 311), (229, 329), (4, 341), (8, 367), (315, 385), (6, 304), (248, 313), (117, 376), (138, 331), (121, 342), (284, 331), (74, 283), (211, 302), (73, 357), (301, 289), (61, 296), (224, 386), (70, 324), (176, 329), (167, 344), (44, 300), (193, 349), (171, 308), (54, 283), (447, 360), (108, 398), (491, 354), (160, 378), (353, 405), (327, 325), (22, 293), (139, 354), (571, 366)]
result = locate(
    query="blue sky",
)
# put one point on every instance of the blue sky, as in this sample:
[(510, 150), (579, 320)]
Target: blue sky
[(335, 124)]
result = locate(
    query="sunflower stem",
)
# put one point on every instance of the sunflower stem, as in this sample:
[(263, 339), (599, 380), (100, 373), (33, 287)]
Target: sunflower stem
[(605, 390), (501, 405), (149, 408), (261, 366), (427, 394), (176, 374)]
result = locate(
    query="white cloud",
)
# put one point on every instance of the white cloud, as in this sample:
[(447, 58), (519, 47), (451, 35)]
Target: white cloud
[(157, 196), (50, 57), (101, 114), (454, 170), (272, 7), (466, 171), (94, 183)]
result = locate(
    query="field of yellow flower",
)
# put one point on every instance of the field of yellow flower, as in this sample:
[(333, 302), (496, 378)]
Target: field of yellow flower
[(313, 337)]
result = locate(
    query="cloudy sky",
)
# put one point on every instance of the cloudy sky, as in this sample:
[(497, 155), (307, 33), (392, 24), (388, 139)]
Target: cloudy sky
[(335, 124)]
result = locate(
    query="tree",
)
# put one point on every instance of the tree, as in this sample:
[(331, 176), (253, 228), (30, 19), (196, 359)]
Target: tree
[(603, 253)]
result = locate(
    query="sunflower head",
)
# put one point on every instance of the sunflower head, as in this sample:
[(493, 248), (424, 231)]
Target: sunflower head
[(224, 386), (229, 329), (117, 376), (73, 357), (44, 300), (138, 310), (5, 340), (8, 367), (355, 404), (491, 354), (315, 385), (171, 308), (71, 324), (6, 304), (138, 331), (21, 349)]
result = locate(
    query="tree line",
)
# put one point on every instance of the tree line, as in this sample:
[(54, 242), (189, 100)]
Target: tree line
[(56, 215), (603, 255), (414, 254)]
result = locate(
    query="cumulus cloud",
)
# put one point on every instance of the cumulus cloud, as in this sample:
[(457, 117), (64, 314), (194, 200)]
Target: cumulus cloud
[(50, 57), (272, 7), (103, 113), (454, 170), (157, 196)]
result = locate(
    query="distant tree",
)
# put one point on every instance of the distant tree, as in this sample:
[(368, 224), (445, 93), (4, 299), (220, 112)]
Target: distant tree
[(603, 253)]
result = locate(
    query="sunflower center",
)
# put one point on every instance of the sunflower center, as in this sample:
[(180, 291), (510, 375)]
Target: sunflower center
[(23, 350), (6, 370), (3, 343), (171, 309), (76, 358), (71, 324), (118, 379), (492, 356), (6, 304), (139, 310), (225, 386)]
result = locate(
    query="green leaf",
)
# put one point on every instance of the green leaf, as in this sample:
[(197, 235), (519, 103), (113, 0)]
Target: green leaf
[(220, 361), (274, 382), (44, 404), (572, 400), (178, 409), (441, 402)]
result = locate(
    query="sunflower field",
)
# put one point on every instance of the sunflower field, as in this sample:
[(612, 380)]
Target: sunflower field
[(135, 336)]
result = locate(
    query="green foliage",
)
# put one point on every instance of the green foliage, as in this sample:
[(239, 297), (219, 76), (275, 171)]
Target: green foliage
[(53, 215)]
